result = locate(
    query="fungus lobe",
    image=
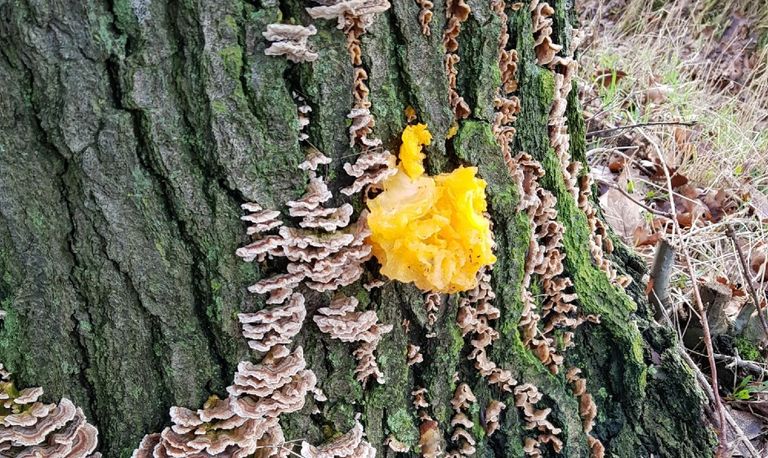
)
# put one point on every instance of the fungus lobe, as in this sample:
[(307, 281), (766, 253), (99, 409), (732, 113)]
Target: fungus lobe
[(430, 230)]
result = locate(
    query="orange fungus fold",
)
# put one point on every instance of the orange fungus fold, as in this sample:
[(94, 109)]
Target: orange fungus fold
[(430, 230)]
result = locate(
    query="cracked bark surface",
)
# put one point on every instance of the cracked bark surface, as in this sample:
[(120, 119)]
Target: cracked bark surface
[(130, 132)]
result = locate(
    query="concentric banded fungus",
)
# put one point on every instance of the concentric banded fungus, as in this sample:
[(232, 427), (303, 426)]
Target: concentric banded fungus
[(476, 310), (425, 15), (413, 355), (526, 396), (492, 413), (461, 438), (587, 409), (30, 429), (244, 422), (303, 110), (276, 325), (290, 41), (261, 220), (541, 20), (350, 444), (340, 321), (457, 12), (371, 168)]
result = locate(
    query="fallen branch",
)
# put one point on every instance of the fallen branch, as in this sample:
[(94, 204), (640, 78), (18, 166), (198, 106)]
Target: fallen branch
[(742, 363)]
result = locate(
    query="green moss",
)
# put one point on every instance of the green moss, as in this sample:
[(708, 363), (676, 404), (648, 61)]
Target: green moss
[(747, 349), (402, 426), (232, 59)]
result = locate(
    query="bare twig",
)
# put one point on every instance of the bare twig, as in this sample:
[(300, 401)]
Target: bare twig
[(742, 363), (745, 273), (722, 433), (641, 125), (635, 201)]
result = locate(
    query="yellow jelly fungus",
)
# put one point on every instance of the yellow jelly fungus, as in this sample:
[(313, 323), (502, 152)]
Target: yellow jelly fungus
[(411, 157), (430, 230)]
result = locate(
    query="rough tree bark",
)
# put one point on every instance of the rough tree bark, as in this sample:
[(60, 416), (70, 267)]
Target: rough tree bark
[(132, 130)]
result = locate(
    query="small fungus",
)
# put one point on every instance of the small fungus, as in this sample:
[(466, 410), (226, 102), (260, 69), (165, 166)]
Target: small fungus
[(431, 230)]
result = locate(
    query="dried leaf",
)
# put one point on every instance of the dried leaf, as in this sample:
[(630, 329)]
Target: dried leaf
[(623, 215)]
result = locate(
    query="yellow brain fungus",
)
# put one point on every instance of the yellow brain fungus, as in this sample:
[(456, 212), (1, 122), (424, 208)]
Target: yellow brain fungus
[(430, 230)]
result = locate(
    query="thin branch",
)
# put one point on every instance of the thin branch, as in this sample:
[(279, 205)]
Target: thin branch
[(632, 198), (595, 133), (745, 273), (742, 363)]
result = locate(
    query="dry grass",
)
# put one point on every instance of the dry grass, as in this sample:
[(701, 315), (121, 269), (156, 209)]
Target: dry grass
[(694, 62)]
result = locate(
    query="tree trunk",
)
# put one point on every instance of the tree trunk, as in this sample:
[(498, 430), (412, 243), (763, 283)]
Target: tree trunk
[(130, 133)]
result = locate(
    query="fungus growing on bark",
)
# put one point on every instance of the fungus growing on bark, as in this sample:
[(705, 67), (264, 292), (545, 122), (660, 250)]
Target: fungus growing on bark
[(457, 12), (526, 396), (342, 322), (492, 413), (541, 20), (303, 110), (413, 355), (371, 168), (431, 231), (432, 303), (587, 409), (261, 220), (30, 428), (291, 41), (425, 15), (244, 422), (275, 325), (464, 443)]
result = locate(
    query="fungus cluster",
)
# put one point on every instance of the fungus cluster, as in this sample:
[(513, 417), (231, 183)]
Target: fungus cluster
[(291, 41), (31, 428), (587, 410), (324, 253), (461, 438), (354, 17), (245, 421), (541, 22), (457, 12), (526, 397), (476, 311), (430, 437), (492, 414), (432, 303), (506, 105), (425, 15), (430, 230), (342, 322)]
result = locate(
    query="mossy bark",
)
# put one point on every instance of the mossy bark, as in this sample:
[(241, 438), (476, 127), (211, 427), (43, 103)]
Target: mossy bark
[(132, 130)]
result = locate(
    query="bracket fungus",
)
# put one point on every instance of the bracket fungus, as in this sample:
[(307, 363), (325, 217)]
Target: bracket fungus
[(458, 12), (430, 230), (30, 428), (342, 322), (290, 41)]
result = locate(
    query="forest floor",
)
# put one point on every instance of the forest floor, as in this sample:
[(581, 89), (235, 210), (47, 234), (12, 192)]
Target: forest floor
[(676, 100)]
